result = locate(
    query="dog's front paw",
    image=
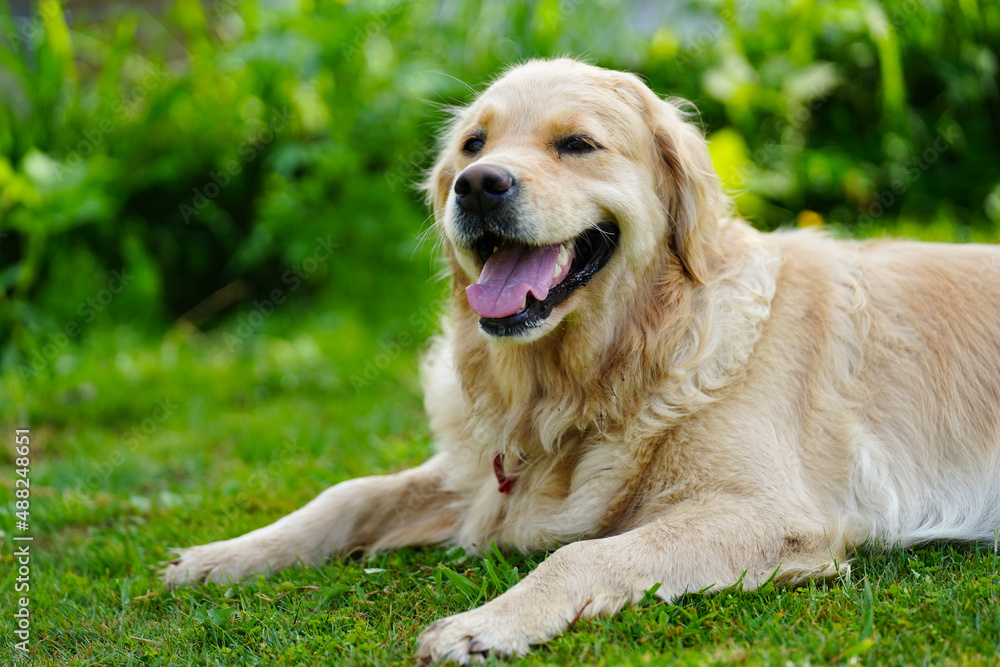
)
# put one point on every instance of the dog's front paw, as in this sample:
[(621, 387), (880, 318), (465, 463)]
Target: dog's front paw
[(225, 562), (471, 636)]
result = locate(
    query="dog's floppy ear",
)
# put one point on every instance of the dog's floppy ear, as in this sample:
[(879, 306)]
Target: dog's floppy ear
[(689, 187), (437, 181)]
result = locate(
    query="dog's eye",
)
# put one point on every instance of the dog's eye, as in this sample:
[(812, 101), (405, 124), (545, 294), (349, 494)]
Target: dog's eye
[(576, 144), (473, 145)]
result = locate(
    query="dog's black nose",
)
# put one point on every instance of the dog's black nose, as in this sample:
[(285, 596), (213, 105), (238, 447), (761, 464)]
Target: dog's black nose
[(481, 188)]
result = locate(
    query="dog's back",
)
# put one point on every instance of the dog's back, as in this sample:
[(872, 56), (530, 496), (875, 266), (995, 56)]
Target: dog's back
[(909, 336)]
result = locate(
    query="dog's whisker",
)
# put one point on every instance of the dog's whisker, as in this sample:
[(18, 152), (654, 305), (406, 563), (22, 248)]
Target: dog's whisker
[(456, 79)]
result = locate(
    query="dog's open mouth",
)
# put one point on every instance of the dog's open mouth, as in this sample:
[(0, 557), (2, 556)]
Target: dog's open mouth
[(520, 283)]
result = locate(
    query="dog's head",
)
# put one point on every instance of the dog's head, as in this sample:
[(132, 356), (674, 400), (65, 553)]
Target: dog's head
[(563, 189)]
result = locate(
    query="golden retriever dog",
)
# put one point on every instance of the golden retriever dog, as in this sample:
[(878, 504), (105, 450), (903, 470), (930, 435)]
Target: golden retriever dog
[(633, 373)]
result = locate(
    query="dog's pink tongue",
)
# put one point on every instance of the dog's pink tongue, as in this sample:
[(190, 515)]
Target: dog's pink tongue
[(510, 273)]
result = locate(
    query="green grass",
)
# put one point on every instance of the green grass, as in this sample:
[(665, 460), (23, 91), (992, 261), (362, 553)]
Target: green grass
[(257, 428)]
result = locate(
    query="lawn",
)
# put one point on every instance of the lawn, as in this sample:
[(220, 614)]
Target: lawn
[(191, 438), (212, 307)]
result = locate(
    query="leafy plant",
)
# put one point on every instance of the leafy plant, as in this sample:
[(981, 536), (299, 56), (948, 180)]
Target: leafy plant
[(218, 153)]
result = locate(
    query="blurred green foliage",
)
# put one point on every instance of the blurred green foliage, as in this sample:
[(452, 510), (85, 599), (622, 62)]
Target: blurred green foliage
[(227, 154)]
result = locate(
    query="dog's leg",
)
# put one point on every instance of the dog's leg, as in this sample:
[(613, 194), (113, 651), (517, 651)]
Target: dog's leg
[(370, 513), (695, 548)]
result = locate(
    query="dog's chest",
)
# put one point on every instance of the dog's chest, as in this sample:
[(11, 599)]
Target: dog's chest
[(539, 502)]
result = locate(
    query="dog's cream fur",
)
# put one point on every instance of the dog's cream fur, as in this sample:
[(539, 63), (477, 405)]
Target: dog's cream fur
[(717, 404)]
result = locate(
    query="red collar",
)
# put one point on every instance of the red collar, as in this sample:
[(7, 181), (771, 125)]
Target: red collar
[(506, 483)]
